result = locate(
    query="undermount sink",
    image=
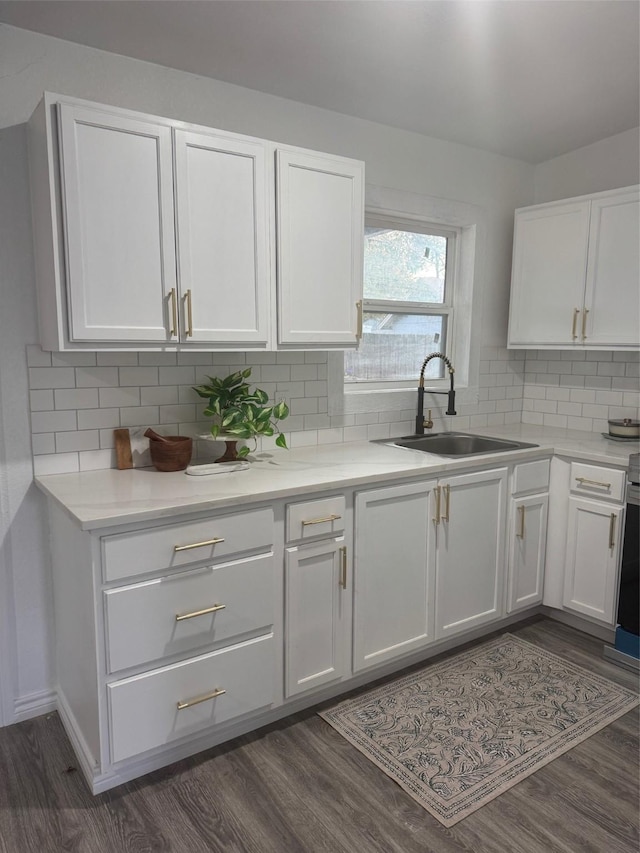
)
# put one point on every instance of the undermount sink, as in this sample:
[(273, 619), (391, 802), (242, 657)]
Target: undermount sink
[(457, 443)]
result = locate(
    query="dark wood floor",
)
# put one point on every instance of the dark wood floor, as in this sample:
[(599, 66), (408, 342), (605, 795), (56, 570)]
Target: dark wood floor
[(298, 787)]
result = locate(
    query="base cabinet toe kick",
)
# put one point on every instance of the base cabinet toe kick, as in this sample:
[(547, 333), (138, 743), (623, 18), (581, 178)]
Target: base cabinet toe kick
[(174, 636)]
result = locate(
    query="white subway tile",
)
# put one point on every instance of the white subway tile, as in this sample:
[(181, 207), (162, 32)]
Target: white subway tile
[(355, 433), (41, 401), (76, 398), (315, 389), (584, 368), (584, 424), (261, 358), (363, 418), (303, 405), (53, 421), (632, 369), (96, 377), (603, 382), (97, 460), (177, 376), (330, 436), (99, 418), (623, 383), (343, 420), (199, 359), (293, 423), (139, 416), (507, 379), (572, 381), (56, 463), (162, 395), (613, 368), (504, 406), (290, 358), (302, 372), (629, 357), (608, 398), (138, 376), (42, 443), (593, 411), (157, 359), (532, 417), (37, 357), (119, 397), (185, 393), (600, 425), (117, 359), (479, 420), (304, 438), (497, 393), (315, 357), (548, 406), (555, 421), (631, 398), (84, 440), (375, 431), (73, 359), (51, 377), (289, 389), (534, 392), (512, 418), (495, 420), (557, 393), (276, 373), (231, 358), (173, 414), (317, 421), (574, 409), (598, 355)]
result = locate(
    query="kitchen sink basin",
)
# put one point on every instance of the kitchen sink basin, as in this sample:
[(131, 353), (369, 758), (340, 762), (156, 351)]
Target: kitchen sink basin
[(457, 443)]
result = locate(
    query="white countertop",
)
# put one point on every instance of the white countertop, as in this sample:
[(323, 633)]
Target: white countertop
[(102, 499)]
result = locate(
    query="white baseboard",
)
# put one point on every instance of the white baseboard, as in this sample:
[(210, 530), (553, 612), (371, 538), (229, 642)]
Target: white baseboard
[(33, 705)]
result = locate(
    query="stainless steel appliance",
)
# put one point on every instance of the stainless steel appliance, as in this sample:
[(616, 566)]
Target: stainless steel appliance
[(626, 649)]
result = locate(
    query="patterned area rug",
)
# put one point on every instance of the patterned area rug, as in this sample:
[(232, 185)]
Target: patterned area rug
[(457, 734)]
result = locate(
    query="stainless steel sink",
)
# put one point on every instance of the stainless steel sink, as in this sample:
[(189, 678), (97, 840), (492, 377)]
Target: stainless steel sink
[(456, 443)]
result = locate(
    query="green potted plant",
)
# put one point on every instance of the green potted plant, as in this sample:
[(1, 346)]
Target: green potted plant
[(240, 412)]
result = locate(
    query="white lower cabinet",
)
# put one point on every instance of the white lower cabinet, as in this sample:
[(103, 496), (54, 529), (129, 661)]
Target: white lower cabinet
[(315, 614), (527, 548), (394, 572), (592, 558), (470, 559)]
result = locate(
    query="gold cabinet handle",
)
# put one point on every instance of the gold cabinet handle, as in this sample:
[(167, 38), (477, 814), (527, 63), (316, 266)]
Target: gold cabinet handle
[(612, 530), (343, 567), (187, 298), (180, 617), (326, 518), (584, 324), (198, 699), (174, 313), (359, 321), (584, 482), (447, 498), (574, 333), (214, 541), (520, 533), (437, 515)]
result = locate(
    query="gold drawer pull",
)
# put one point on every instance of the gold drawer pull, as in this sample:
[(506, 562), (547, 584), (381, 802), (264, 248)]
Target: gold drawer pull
[(326, 518), (214, 541), (180, 617), (189, 314), (198, 699), (360, 321), (574, 334), (520, 533), (584, 324), (612, 529), (584, 482), (343, 567), (447, 499), (436, 519), (174, 313)]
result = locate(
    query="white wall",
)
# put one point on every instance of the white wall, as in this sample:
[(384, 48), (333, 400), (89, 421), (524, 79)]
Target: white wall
[(605, 165), (31, 63)]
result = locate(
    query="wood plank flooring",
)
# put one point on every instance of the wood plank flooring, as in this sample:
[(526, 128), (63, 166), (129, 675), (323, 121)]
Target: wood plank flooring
[(298, 787)]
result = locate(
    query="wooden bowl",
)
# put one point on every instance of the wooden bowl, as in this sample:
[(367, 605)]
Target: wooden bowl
[(174, 454)]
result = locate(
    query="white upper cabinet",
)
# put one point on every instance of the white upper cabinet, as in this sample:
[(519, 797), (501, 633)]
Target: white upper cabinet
[(118, 211), (575, 274), (151, 233), (320, 231), (223, 233)]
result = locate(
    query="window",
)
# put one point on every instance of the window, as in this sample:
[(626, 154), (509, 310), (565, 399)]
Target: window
[(408, 304)]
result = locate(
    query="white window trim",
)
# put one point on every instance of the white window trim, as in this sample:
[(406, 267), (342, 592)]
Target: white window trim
[(470, 220)]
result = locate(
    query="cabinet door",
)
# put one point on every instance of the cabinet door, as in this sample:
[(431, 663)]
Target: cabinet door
[(393, 573), (548, 275), (117, 180), (316, 615), (222, 224), (320, 239), (470, 551), (592, 557), (613, 272), (527, 545)]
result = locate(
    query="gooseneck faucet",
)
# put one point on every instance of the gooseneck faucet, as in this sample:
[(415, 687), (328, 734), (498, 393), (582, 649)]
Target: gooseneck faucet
[(451, 394)]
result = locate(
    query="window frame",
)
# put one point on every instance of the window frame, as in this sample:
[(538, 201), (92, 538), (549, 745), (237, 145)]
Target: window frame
[(377, 218)]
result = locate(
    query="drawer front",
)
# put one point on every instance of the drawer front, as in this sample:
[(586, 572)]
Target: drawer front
[(130, 554), (183, 612), (597, 482), (144, 711), (309, 519), (531, 476)]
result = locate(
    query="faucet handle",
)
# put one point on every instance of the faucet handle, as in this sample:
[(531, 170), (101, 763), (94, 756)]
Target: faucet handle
[(428, 423)]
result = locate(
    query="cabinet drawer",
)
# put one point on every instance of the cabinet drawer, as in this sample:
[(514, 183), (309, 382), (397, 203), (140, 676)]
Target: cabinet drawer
[(531, 477), (308, 519), (130, 554), (597, 482), (144, 712), (168, 615)]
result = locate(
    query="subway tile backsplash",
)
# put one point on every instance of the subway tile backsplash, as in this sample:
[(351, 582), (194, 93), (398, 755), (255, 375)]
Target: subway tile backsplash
[(78, 399)]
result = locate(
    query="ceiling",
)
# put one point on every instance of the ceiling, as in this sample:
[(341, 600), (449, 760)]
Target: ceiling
[(529, 79)]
